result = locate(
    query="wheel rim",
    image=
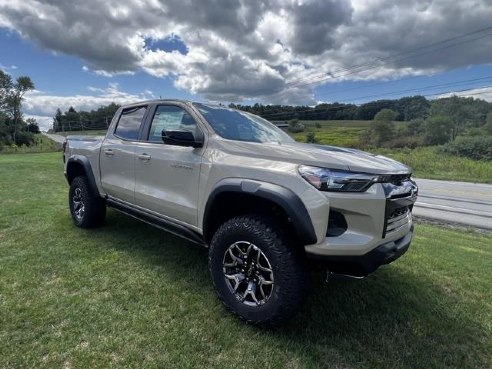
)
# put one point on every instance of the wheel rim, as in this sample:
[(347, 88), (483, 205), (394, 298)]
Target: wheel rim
[(248, 273), (78, 204)]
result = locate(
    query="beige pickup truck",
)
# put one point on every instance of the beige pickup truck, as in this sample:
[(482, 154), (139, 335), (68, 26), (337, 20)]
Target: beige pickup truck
[(262, 203)]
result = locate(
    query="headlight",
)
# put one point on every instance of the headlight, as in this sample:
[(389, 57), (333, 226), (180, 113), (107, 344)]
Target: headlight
[(325, 179)]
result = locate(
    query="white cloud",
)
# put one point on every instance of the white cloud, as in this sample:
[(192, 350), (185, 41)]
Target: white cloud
[(104, 73), (240, 49), (42, 105)]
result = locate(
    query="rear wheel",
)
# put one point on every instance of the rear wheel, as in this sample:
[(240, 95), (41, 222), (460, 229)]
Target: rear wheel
[(87, 208), (258, 273)]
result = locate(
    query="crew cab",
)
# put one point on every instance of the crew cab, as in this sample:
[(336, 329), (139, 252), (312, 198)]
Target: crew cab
[(262, 203)]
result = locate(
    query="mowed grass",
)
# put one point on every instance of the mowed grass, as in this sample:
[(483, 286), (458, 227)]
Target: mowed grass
[(129, 295)]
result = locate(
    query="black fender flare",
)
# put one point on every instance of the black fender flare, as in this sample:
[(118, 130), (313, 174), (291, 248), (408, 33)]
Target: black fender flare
[(85, 164), (281, 196)]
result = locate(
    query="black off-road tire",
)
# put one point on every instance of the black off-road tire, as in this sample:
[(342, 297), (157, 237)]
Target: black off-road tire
[(287, 260), (94, 207)]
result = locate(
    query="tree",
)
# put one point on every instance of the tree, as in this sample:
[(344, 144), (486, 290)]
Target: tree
[(413, 107), (369, 110), (438, 130), (57, 121), (385, 115), (14, 97), (5, 89), (460, 111), (32, 126), (382, 128)]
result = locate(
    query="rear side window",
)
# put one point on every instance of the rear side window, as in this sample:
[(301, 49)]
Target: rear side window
[(129, 123)]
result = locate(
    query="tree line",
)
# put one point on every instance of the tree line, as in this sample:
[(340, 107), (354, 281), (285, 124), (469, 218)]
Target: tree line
[(14, 130), (72, 120), (407, 108)]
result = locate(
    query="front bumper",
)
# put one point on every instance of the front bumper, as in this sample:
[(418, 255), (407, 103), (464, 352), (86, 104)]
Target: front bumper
[(363, 265)]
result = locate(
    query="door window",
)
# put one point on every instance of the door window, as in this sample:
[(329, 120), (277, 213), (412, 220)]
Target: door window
[(171, 118), (129, 124)]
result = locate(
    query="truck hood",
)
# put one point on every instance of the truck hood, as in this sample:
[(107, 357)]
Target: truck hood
[(317, 155)]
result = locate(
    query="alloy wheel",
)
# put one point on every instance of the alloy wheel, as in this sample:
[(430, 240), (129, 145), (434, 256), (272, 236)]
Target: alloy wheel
[(248, 273)]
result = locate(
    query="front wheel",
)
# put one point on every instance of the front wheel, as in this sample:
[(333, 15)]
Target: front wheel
[(258, 274), (87, 208)]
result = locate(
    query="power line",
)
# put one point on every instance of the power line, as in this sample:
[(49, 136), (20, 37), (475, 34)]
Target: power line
[(427, 87), (389, 58), (313, 80)]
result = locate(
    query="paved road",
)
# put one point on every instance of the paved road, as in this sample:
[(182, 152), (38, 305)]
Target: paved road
[(57, 138), (458, 202)]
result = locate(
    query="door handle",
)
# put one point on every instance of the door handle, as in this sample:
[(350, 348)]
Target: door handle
[(144, 157), (108, 152)]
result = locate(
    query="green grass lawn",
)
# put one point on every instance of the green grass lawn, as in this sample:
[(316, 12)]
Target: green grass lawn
[(129, 295)]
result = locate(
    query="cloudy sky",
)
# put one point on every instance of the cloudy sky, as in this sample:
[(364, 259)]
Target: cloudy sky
[(90, 53)]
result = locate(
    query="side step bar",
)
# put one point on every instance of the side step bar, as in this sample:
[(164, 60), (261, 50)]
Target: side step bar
[(164, 224)]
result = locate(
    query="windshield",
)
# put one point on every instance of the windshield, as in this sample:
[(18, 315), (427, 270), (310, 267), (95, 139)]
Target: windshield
[(241, 126)]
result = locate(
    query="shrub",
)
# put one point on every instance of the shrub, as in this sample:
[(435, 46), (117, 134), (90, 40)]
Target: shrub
[(295, 126), (381, 131), (317, 125), (311, 137), (437, 130), (476, 147), (24, 138)]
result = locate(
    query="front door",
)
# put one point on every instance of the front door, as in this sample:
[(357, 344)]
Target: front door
[(167, 176)]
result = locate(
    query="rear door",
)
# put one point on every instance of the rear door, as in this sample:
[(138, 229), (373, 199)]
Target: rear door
[(167, 176), (117, 156)]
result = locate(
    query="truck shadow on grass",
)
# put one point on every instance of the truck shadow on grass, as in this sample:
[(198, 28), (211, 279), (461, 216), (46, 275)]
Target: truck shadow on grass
[(393, 319)]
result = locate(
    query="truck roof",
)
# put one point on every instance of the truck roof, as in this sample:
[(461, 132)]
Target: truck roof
[(155, 101)]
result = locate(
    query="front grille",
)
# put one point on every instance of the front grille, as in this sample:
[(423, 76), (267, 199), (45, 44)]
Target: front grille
[(394, 178), (400, 198), (397, 219)]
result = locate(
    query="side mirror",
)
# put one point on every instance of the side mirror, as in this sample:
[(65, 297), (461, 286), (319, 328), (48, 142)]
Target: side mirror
[(180, 138)]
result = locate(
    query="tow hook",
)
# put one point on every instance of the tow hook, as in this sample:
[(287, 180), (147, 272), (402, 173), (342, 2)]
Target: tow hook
[(331, 276)]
